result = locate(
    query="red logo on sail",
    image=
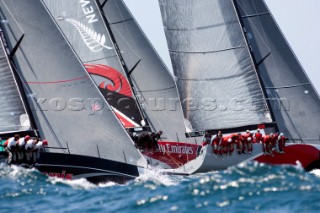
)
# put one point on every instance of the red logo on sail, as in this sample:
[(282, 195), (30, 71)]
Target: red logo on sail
[(114, 82)]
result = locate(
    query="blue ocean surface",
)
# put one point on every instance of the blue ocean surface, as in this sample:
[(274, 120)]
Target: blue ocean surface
[(249, 187)]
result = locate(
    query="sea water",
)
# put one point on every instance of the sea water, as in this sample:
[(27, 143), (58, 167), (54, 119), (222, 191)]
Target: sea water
[(249, 187)]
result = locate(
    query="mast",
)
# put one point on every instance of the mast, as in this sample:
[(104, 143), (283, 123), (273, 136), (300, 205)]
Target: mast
[(256, 64), (122, 61)]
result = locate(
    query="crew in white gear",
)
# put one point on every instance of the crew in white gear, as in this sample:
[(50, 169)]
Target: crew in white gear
[(12, 148), (30, 147), (40, 147), (21, 147)]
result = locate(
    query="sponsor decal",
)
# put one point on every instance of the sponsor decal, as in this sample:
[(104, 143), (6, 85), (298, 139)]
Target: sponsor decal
[(62, 175), (94, 40), (118, 82), (177, 149)]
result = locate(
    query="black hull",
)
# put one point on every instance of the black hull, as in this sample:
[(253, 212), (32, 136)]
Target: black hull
[(95, 170)]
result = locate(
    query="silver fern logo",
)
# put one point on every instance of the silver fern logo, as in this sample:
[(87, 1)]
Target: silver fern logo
[(93, 40)]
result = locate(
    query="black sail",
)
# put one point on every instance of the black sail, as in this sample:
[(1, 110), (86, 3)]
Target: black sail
[(66, 104), (217, 80), (294, 101), (156, 88), (84, 27), (13, 115)]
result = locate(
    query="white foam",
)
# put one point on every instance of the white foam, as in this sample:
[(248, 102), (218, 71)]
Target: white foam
[(316, 172), (75, 184), (154, 175)]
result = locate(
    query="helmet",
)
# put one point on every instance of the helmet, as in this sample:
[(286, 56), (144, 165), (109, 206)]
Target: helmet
[(45, 143), (248, 131), (281, 134), (249, 139), (258, 130), (229, 140), (27, 137), (271, 134)]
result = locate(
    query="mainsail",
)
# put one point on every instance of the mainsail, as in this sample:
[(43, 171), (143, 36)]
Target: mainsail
[(217, 78), (294, 101), (155, 88), (13, 114), (67, 107)]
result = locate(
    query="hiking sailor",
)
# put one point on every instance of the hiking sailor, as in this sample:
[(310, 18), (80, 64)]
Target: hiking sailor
[(30, 147), (21, 147), (257, 136), (281, 141), (40, 147), (155, 138), (11, 148), (215, 142), (206, 139), (248, 142)]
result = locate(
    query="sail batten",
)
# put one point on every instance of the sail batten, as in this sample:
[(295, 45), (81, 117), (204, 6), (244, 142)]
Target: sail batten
[(216, 76)]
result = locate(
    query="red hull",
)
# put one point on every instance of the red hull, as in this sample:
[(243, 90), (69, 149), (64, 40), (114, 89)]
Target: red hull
[(176, 154), (305, 154)]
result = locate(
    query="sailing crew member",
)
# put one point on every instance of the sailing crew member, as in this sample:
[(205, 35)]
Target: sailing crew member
[(21, 147), (215, 142), (40, 147), (239, 143), (267, 144), (257, 137), (247, 142), (155, 138), (224, 145), (206, 139), (11, 148), (274, 139), (281, 142), (30, 147), (232, 142), (265, 141)]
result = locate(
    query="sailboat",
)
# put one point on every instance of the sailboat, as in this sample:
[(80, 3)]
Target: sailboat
[(85, 137), (128, 72), (231, 59)]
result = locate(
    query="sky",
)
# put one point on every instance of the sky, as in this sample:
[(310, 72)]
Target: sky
[(299, 20)]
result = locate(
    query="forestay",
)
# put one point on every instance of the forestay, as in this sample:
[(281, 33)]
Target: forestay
[(217, 80)]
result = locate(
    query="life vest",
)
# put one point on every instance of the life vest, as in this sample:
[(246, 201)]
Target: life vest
[(215, 144), (257, 137), (274, 139)]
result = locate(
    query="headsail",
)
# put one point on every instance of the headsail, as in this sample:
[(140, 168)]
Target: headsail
[(217, 80), (294, 101), (84, 27), (67, 106), (156, 87), (13, 114)]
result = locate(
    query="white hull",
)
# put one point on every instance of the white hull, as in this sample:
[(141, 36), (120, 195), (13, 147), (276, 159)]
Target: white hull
[(207, 161)]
